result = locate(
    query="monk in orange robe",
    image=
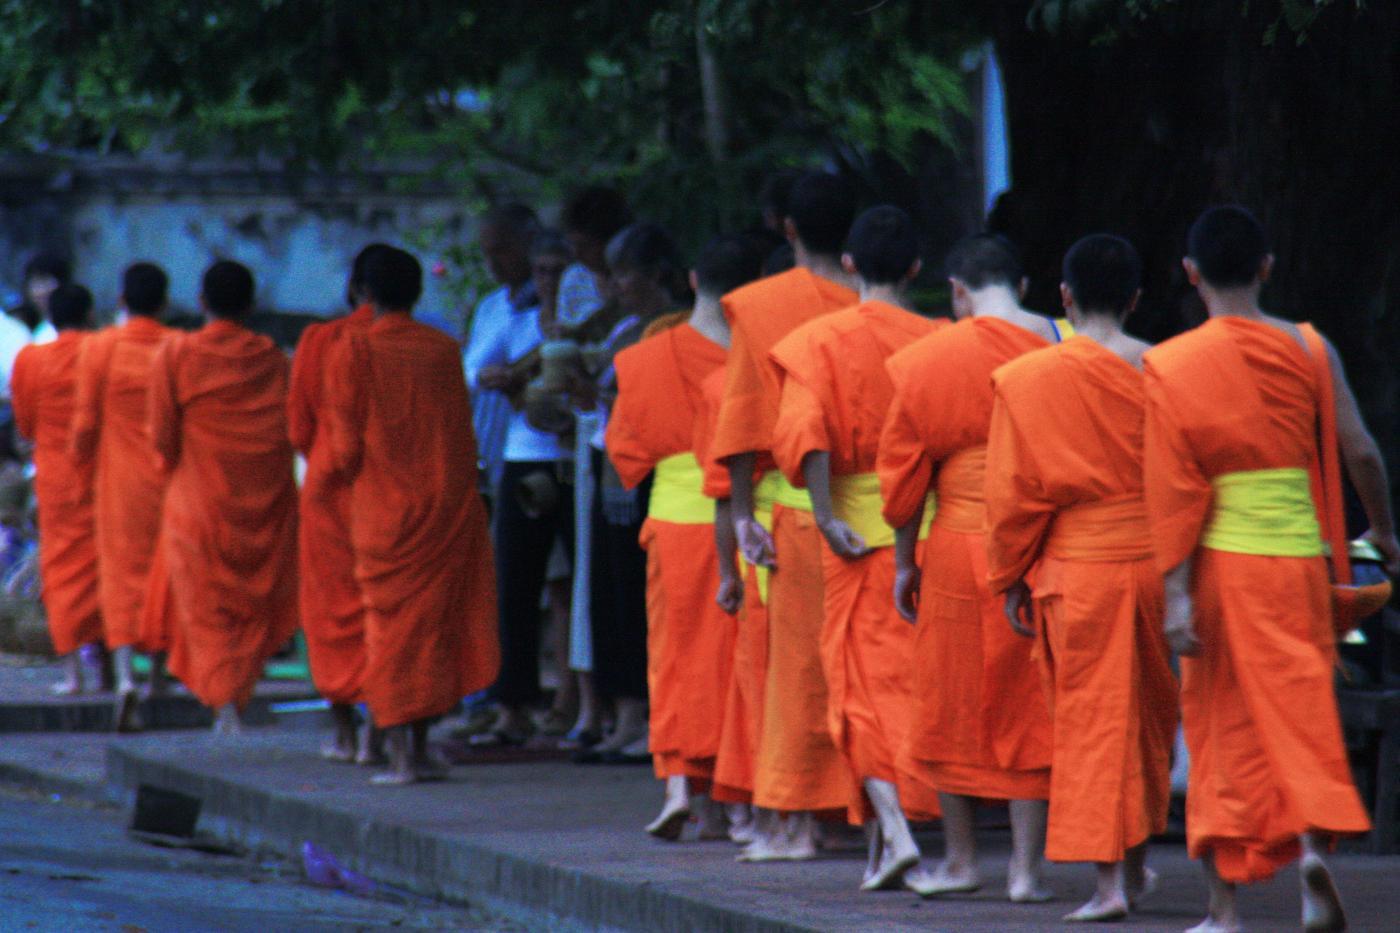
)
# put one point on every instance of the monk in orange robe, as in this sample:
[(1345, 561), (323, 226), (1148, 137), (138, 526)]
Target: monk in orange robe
[(109, 432), (1237, 506), (1065, 503), (42, 387), (981, 725), (690, 639), (400, 431), (799, 770), (834, 398), (218, 422), (332, 610)]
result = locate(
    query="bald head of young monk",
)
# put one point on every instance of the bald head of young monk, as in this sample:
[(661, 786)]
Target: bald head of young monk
[(70, 308), (980, 263), (821, 207), (725, 263), (1102, 276), (145, 288), (505, 238), (883, 248), (226, 292), (393, 281), (355, 288), (1226, 250)]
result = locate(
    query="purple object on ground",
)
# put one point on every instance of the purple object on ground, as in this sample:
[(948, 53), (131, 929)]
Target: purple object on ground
[(324, 870)]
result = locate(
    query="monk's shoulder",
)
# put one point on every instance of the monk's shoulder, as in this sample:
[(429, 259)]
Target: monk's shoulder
[(1029, 372), (764, 293), (938, 348), (1184, 351)]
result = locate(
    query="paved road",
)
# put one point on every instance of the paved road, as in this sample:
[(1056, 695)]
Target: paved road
[(71, 868)]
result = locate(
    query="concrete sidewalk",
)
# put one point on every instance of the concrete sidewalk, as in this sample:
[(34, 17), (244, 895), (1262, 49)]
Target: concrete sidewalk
[(561, 846)]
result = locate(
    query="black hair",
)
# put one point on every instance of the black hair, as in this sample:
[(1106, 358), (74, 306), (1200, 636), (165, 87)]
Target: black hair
[(775, 195), (1103, 272), (883, 244), (1228, 245), (726, 262), (517, 219), (227, 288), (50, 264), (596, 211), (394, 280), (144, 288), (550, 243), (821, 207), (985, 259), (779, 259), (70, 307), (354, 289)]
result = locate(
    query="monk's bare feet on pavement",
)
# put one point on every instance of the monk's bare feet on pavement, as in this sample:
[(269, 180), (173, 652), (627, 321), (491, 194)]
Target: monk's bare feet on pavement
[(72, 683), (1322, 906), (887, 863), (369, 749), (741, 823), (713, 820), (410, 761), (675, 810), (1222, 915), (342, 744), (227, 721), (794, 840), (947, 878)]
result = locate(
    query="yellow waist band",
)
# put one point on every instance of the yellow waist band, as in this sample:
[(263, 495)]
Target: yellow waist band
[(676, 492), (855, 499), (788, 495), (1264, 512)]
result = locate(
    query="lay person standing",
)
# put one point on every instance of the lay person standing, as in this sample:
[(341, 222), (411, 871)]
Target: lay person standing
[(218, 423), (799, 771), (1241, 496), (1065, 508), (834, 398), (110, 432), (400, 432), (981, 727), (42, 390), (690, 639), (332, 610)]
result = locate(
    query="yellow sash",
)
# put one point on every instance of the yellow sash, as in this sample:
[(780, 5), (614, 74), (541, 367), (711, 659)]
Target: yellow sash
[(676, 492), (1264, 512), (764, 495), (855, 499), (788, 495)]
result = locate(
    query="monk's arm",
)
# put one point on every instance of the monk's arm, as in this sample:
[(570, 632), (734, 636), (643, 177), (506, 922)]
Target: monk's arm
[(907, 575), (731, 584), (344, 408), (816, 473), (1177, 622), (754, 541), (1365, 466)]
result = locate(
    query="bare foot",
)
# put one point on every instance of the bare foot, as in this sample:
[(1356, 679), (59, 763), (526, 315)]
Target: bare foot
[(670, 823), (889, 875), (1099, 911), (370, 747), (945, 880), (1028, 891), (409, 773), (714, 821), (67, 688), (1140, 887), (779, 848), (1212, 925), (1322, 906), (742, 831), (227, 723), (128, 711), (337, 749)]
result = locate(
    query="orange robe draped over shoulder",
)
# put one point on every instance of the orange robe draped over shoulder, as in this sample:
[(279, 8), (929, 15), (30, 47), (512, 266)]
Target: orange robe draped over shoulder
[(400, 421), (42, 390), (1064, 496), (110, 431), (798, 766), (835, 395), (332, 612), (218, 421), (690, 640), (981, 724), (1267, 758), (737, 755)]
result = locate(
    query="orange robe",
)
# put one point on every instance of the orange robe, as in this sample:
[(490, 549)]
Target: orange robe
[(1267, 758), (835, 396), (332, 612), (400, 422), (690, 640), (218, 421), (1066, 499), (981, 724), (42, 389), (737, 756), (798, 766), (109, 431)]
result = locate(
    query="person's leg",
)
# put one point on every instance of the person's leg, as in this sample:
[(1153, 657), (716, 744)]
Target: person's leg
[(1110, 900), (1024, 878), (958, 870), (897, 852), (1322, 905), (227, 721), (157, 683), (370, 745), (127, 714), (675, 810), (342, 745), (1222, 914), (72, 682)]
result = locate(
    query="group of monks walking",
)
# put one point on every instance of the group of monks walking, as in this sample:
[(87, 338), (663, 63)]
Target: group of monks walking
[(896, 566), (952, 560)]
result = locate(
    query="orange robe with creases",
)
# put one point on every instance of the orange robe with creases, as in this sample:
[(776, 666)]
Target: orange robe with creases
[(1267, 757), (690, 640), (332, 611), (218, 422), (737, 756), (981, 724), (400, 430), (109, 430), (835, 395), (799, 768), (1064, 496), (42, 390)]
